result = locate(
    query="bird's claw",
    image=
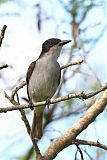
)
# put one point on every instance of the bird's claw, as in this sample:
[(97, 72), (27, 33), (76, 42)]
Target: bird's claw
[(48, 102), (31, 106)]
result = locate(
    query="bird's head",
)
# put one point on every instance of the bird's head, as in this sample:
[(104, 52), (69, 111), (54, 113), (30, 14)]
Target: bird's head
[(53, 47)]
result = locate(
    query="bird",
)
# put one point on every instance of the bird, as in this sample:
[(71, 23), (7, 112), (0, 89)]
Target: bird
[(43, 78)]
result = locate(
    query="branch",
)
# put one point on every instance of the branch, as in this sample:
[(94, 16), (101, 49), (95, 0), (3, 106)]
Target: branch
[(81, 95), (26, 122), (3, 66), (90, 143), (24, 118), (15, 90), (80, 151), (71, 64), (66, 140), (79, 110), (2, 34)]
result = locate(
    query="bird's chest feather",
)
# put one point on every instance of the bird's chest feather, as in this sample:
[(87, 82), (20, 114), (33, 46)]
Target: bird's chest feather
[(44, 80)]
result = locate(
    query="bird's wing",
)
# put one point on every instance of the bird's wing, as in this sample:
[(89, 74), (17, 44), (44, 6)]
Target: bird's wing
[(28, 75), (59, 78)]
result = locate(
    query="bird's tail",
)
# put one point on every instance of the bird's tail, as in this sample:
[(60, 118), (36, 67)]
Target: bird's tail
[(37, 124)]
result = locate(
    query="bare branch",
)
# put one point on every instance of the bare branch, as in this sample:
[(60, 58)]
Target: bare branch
[(24, 118), (81, 95), (3, 66), (26, 122), (66, 140), (90, 157), (15, 90), (2, 34), (71, 64), (81, 154), (90, 143), (77, 111)]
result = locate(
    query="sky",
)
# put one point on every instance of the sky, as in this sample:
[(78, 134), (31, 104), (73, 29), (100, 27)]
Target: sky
[(21, 46)]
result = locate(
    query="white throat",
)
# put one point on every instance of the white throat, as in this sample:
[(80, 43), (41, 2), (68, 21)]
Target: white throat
[(54, 52)]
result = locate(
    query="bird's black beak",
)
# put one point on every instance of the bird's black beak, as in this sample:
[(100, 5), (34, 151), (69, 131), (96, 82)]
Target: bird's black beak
[(63, 42)]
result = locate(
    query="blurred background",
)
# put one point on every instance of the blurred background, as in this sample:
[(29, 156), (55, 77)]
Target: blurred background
[(29, 24)]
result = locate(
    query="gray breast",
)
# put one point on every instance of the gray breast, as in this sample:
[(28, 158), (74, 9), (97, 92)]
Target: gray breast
[(44, 80)]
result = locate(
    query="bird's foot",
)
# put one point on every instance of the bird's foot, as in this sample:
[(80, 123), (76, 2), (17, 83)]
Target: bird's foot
[(48, 102), (31, 106)]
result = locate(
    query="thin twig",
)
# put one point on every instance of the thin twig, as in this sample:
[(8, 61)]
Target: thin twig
[(3, 66), (24, 118), (79, 149), (2, 34), (15, 90), (71, 64), (90, 143), (90, 158)]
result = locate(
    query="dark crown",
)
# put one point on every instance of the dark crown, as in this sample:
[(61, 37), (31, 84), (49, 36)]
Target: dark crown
[(49, 43)]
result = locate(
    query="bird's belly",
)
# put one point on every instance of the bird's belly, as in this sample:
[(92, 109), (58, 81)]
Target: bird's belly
[(43, 91), (45, 83)]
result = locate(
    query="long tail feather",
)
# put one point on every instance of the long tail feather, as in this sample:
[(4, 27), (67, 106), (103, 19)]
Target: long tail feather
[(37, 124)]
